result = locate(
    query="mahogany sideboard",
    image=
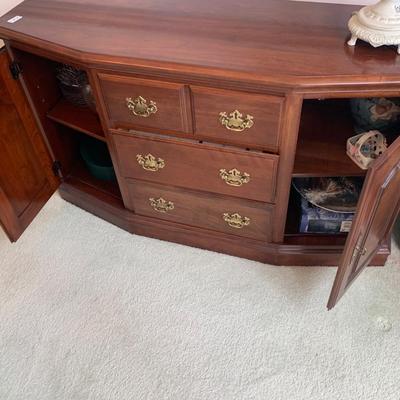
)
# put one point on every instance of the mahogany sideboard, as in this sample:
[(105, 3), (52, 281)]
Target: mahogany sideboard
[(209, 109)]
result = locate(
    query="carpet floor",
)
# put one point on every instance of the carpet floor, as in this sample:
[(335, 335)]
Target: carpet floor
[(88, 311)]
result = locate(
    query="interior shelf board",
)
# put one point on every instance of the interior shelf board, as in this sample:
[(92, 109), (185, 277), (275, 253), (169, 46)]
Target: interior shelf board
[(321, 149), (81, 174), (320, 159), (78, 118)]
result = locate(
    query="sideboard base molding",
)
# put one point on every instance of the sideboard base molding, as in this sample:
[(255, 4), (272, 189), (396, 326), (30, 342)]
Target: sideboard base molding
[(112, 210)]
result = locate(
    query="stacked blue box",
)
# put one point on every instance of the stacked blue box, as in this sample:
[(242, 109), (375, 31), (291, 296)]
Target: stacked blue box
[(318, 220)]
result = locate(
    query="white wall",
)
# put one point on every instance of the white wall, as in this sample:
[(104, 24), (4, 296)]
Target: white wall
[(361, 2)]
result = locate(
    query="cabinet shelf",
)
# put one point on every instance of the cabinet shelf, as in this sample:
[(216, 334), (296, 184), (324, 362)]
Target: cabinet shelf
[(81, 174), (321, 150), (78, 118)]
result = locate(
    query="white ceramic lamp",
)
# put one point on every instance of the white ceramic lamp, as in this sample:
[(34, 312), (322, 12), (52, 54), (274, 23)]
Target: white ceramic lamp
[(377, 24)]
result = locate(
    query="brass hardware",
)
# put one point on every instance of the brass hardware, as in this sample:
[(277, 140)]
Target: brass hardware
[(236, 220), (361, 251), (161, 205), (150, 163), (234, 177), (358, 249), (235, 121), (140, 108)]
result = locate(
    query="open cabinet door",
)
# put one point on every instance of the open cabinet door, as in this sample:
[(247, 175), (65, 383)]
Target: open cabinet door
[(377, 211), (26, 177)]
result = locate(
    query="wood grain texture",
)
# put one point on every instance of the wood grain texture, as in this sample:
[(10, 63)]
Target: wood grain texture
[(287, 151), (172, 114), (198, 57), (79, 118), (80, 173), (265, 110), (274, 42), (26, 181), (321, 149), (197, 166), (377, 211), (290, 253), (202, 210), (41, 89)]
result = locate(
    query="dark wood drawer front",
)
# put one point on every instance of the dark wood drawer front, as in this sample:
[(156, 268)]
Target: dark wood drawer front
[(146, 104), (237, 118), (224, 214), (245, 174)]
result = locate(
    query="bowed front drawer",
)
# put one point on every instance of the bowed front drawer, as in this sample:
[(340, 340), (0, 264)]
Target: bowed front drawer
[(189, 164), (219, 213)]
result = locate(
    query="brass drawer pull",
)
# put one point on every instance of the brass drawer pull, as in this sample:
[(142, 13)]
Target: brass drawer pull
[(140, 108), (150, 163), (236, 220), (161, 205), (234, 177), (235, 121), (361, 251)]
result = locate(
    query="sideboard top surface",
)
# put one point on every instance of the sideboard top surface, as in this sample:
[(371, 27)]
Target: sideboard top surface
[(277, 42)]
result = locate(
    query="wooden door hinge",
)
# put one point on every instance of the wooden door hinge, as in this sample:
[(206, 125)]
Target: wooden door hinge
[(57, 168), (15, 69)]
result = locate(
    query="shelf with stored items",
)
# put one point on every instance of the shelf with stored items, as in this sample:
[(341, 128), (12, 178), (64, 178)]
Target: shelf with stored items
[(324, 129), (72, 127), (321, 156), (315, 210), (326, 125)]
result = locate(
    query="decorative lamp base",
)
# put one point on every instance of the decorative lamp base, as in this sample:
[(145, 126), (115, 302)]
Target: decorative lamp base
[(378, 24)]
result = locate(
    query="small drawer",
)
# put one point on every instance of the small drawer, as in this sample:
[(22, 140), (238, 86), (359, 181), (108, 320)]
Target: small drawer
[(185, 163), (223, 214), (249, 120), (146, 104)]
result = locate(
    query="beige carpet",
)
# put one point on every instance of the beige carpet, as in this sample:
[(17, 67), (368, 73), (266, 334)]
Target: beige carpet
[(88, 311)]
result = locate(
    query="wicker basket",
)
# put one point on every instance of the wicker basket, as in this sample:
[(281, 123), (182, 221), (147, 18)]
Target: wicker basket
[(74, 86)]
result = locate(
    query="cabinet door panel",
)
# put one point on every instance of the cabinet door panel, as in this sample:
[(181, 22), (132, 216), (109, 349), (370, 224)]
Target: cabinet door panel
[(26, 179), (378, 208)]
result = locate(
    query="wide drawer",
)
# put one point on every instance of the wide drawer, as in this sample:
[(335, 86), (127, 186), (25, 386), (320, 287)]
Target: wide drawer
[(145, 104), (224, 214), (250, 120), (184, 163)]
